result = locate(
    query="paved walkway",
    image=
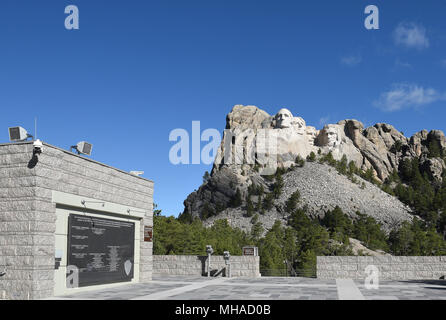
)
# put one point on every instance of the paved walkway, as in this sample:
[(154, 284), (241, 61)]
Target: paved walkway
[(266, 288), (347, 290)]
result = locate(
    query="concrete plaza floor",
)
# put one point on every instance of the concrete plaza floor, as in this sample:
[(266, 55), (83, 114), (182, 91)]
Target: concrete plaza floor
[(265, 288)]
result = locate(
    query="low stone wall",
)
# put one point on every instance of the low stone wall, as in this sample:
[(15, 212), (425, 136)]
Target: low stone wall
[(241, 266), (390, 267)]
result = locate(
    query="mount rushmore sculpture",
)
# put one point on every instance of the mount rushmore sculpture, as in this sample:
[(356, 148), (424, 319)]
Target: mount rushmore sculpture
[(370, 148), (243, 154)]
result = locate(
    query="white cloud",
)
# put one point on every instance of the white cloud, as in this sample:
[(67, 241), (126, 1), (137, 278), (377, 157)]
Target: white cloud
[(411, 35), (352, 60), (324, 120), (443, 63), (404, 95)]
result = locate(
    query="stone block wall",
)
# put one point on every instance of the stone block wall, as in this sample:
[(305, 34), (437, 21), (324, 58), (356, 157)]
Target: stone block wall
[(241, 266), (27, 213), (390, 267)]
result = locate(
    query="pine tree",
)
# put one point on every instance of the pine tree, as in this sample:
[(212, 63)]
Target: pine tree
[(156, 211), (307, 263), (268, 202), (352, 168), (257, 230), (278, 186), (434, 149), (342, 165), (337, 222), (206, 177), (249, 207), (236, 200), (291, 203)]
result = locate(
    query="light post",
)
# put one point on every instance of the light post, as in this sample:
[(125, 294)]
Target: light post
[(227, 256), (209, 251)]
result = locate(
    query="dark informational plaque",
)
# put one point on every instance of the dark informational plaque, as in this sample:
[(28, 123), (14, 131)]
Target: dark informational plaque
[(101, 249)]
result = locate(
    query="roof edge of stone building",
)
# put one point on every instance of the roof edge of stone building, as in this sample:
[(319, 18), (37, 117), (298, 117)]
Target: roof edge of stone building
[(78, 156)]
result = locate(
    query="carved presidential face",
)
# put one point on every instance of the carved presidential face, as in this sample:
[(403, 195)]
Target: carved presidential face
[(311, 134), (283, 119), (332, 134)]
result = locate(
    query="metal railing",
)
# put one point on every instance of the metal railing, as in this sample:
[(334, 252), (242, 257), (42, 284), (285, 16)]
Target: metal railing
[(305, 273)]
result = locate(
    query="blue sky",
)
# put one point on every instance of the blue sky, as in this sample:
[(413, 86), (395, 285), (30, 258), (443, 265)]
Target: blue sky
[(135, 70)]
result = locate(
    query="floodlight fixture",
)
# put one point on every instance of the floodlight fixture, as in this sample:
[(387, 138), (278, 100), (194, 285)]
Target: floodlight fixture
[(226, 255), (83, 147), (209, 250), (17, 134)]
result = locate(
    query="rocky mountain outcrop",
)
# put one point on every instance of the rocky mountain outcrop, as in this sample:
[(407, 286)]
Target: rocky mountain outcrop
[(255, 144), (359, 249)]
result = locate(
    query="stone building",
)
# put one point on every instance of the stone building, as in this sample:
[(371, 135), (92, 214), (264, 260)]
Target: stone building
[(70, 223)]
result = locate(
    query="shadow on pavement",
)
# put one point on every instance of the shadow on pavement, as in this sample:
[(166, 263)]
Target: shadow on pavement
[(431, 282), (436, 288)]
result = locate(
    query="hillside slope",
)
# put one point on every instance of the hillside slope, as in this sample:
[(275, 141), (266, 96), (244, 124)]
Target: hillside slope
[(322, 188)]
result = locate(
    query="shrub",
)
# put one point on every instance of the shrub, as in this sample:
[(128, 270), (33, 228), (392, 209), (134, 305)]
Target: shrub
[(341, 166), (299, 162), (368, 230), (206, 211), (397, 147), (352, 169), (311, 157), (328, 158)]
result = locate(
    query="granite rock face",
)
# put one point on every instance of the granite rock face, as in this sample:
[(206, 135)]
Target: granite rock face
[(247, 154)]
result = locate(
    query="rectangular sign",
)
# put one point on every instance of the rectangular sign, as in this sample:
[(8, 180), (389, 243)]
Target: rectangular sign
[(250, 251), (101, 249), (148, 233)]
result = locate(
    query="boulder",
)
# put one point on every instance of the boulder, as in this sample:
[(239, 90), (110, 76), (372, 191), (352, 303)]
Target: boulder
[(244, 117)]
